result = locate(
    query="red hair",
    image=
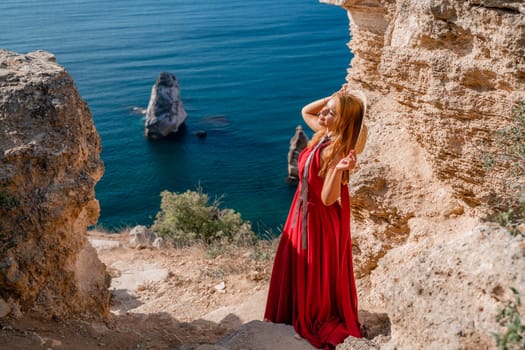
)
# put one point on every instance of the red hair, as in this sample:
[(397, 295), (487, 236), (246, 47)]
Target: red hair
[(346, 129)]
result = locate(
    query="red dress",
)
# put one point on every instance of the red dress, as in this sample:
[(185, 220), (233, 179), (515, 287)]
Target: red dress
[(312, 285)]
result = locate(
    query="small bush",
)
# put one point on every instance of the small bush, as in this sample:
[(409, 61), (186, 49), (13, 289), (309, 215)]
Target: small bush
[(186, 218), (512, 219), (513, 338)]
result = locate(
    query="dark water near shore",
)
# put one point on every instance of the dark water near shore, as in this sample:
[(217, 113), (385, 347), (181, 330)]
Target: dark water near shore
[(245, 70)]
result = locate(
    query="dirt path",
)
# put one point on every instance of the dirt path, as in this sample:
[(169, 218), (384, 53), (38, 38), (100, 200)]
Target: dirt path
[(161, 299)]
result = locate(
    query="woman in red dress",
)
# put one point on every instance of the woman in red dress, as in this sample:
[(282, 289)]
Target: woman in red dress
[(312, 285)]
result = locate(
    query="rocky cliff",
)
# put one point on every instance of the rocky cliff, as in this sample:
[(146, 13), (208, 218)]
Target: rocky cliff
[(49, 153), (441, 77)]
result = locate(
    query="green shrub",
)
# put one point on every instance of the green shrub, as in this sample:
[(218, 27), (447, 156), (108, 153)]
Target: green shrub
[(513, 337), (186, 218)]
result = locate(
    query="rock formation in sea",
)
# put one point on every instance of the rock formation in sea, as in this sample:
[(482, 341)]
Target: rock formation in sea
[(297, 143), (441, 76), (50, 163), (165, 113)]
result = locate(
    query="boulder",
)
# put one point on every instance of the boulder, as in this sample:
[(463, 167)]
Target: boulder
[(265, 336), (141, 237), (297, 143), (104, 244), (50, 156), (159, 243), (165, 113)]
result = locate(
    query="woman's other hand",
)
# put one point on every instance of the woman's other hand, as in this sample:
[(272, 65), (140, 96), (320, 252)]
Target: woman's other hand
[(348, 162), (331, 190)]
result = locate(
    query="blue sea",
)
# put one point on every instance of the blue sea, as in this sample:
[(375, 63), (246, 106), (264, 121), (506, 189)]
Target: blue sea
[(245, 70)]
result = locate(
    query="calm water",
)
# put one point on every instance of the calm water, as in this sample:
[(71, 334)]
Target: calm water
[(245, 69)]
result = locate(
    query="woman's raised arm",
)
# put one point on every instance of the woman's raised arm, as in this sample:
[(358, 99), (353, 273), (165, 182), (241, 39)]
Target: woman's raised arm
[(309, 113)]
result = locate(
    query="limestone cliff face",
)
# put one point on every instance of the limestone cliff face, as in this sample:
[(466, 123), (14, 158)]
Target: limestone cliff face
[(49, 154), (451, 70), (441, 76)]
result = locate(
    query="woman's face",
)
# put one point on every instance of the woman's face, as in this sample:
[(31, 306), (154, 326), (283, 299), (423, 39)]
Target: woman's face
[(329, 112)]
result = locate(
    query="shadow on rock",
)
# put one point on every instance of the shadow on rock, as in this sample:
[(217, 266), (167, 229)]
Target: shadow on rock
[(122, 301), (374, 324), (127, 331)]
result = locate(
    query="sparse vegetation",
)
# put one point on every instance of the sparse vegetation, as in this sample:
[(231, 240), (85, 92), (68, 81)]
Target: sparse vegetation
[(187, 218), (512, 218), (513, 337), (510, 157), (511, 142), (107, 279)]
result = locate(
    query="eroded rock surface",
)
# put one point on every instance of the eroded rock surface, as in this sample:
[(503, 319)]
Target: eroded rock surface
[(50, 163), (441, 77)]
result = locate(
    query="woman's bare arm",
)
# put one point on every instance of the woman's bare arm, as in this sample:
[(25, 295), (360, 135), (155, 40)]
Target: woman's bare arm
[(332, 181), (309, 113), (331, 186)]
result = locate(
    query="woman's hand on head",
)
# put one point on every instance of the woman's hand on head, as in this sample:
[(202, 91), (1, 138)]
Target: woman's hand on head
[(348, 162), (310, 113)]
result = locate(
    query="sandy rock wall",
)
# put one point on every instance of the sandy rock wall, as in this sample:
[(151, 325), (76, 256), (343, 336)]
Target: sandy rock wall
[(441, 76), (49, 156), (455, 69)]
